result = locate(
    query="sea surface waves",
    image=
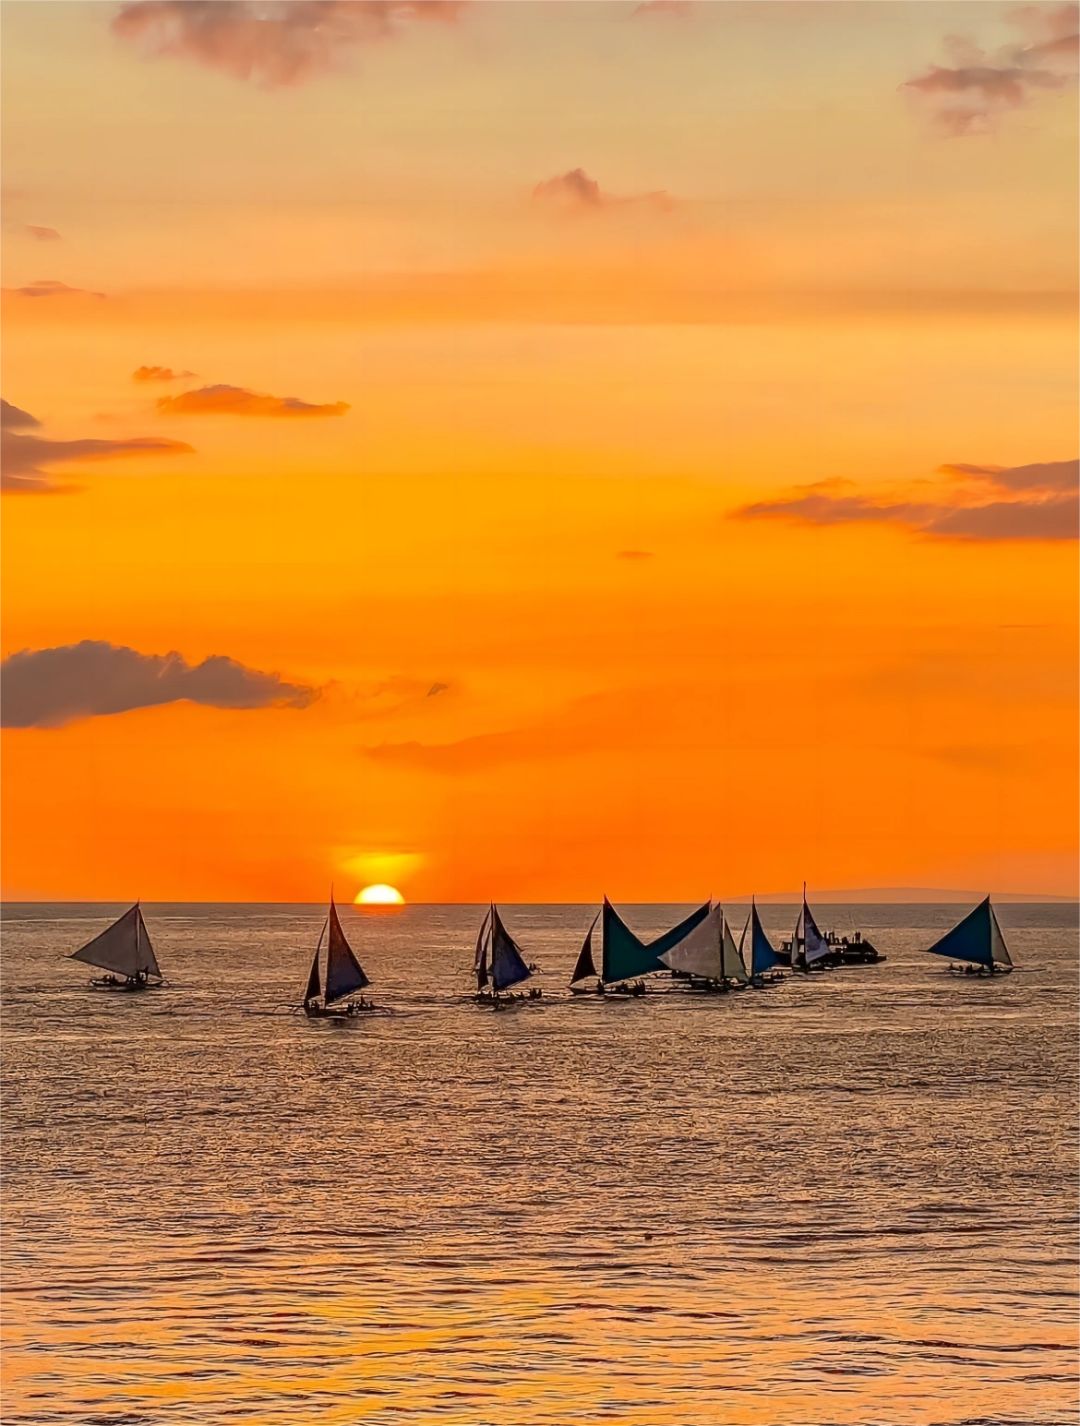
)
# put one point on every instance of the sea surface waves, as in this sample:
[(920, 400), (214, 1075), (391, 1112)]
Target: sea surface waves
[(847, 1199)]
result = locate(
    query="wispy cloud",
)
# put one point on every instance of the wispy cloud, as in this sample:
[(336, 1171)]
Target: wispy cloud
[(674, 9), (159, 373), (26, 457), (46, 688), (635, 556), (238, 401), (46, 287), (966, 502), (277, 44), (967, 95), (43, 235), (575, 192)]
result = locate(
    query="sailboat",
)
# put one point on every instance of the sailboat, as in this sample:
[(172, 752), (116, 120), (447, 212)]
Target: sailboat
[(809, 948), (977, 941), (344, 975), (709, 956), (498, 964), (625, 957), (123, 950), (763, 959)]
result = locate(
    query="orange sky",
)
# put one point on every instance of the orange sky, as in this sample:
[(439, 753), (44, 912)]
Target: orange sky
[(509, 487)]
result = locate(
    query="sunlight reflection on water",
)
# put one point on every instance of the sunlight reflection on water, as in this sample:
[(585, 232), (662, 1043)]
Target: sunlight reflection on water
[(850, 1199)]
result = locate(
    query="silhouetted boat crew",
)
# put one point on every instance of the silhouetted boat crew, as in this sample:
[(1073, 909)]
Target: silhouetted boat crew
[(626, 959), (977, 943), (709, 956), (344, 976), (123, 950), (498, 964)]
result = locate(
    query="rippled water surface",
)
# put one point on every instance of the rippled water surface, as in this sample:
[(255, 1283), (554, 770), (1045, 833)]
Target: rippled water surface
[(847, 1199)]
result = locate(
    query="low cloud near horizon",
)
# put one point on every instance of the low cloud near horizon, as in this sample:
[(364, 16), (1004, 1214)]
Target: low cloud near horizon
[(43, 234), (25, 457), (48, 287), (575, 192), (274, 46), (48, 688), (965, 502), (239, 401)]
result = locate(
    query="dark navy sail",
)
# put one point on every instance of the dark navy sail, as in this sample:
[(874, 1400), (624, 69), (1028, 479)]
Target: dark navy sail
[(344, 973), (977, 939), (585, 966), (507, 963), (762, 955), (313, 987), (480, 959)]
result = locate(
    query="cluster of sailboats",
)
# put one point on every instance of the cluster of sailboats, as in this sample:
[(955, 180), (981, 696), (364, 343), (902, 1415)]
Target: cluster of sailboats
[(700, 952)]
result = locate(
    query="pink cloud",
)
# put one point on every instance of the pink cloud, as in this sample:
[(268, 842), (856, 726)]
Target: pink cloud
[(43, 235), (47, 288), (238, 401), (972, 502), (159, 373), (276, 44), (968, 95), (575, 192)]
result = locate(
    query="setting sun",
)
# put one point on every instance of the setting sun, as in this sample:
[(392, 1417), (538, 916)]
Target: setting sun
[(380, 895)]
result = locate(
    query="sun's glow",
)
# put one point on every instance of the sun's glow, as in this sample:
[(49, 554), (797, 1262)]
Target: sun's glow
[(380, 895)]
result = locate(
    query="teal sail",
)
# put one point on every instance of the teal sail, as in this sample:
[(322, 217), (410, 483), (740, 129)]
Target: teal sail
[(627, 956), (762, 955), (507, 963), (977, 938), (344, 974)]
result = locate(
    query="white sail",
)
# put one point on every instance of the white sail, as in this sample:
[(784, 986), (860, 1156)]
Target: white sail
[(699, 953), (732, 961), (999, 951), (123, 948), (815, 946)]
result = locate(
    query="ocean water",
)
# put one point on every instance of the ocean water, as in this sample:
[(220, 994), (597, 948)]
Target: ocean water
[(848, 1199)]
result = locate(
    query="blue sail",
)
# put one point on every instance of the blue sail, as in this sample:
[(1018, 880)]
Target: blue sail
[(627, 956), (762, 955), (977, 938), (507, 963), (344, 974)]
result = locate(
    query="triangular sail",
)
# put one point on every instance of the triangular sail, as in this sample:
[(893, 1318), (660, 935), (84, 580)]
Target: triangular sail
[(585, 966), (313, 987), (344, 974), (123, 948), (480, 959), (700, 951), (999, 951), (507, 963), (626, 956), (797, 939), (815, 945), (762, 955), (732, 961), (977, 938)]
